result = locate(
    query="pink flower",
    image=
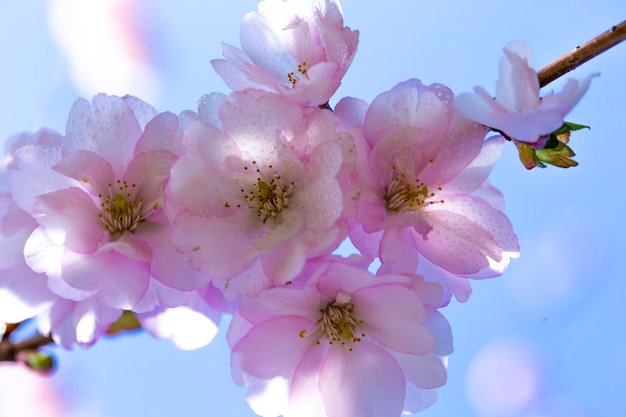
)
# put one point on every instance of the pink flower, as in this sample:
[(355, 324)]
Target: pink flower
[(423, 169), (347, 344), (261, 196), (299, 48), (24, 294), (191, 325), (97, 196), (518, 110)]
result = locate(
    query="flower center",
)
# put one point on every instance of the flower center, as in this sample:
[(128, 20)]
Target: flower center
[(404, 194), (339, 323), (121, 211), (268, 196), (302, 69)]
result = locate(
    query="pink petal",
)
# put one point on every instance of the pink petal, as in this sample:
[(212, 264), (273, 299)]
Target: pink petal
[(480, 107), (131, 246), (397, 252), (15, 227), (30, 174), (258, 132), (281, 301), (426, 372), (492, 233), (23, 294), (273, 348), (407, 149), (142, 110), (248, 283), (199, 179), (83, 271), (476, 173), (452, 284), (264, 47), (285, 262), (461, 144), (418, 399), (239, 73), (107, 127), (366, 243), (161, 134), (382, 119), (43, 256), (168, 265), (215, 246), (187, 328), (441, 330), (518, 86), (87, 167), (457, 235), (268, 398), (565, 101), (393, 316), (305, 399), (351, 112), (372, 384), (71, 219), (324, 80), (124, 282)]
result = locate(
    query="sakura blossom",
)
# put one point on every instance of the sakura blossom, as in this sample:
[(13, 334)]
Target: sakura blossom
[(518, 110), (191, 325), (135, 219), (24, 293), (297, 48), (346, 343), (15, 276), (97, 196), (260, 196), (423, 169)]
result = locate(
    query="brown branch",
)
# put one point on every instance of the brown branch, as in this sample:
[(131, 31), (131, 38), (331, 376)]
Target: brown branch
[(10, 350), (582, 54)]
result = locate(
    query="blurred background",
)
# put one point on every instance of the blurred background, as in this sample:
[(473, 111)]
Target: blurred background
[(548, 339)]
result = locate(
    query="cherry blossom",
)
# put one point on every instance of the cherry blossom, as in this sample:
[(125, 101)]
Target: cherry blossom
[(348, 343), (517, 109), (260, 196), (97, 197), (423, 170), (24, 294), (191, 325), (299, 48)]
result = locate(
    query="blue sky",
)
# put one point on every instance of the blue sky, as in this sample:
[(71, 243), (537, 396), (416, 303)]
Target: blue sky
[(545, 340)]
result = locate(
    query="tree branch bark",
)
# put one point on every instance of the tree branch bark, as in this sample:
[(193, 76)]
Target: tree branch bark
[(10, 350), (582, 54)]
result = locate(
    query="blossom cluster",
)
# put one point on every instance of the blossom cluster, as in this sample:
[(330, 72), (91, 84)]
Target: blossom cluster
[(240, 206)]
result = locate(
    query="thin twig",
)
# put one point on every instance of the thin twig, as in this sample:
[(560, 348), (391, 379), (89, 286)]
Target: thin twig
[(9, 350), (582, 54)]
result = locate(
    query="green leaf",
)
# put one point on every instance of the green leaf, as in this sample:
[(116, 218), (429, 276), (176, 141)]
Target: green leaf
[(574, 126), (559, 156), (555, 151)]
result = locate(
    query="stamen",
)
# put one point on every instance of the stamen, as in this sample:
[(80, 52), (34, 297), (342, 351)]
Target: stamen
[(338, 323), (293, 78), (268, 195), (404, 194), (120, 210)]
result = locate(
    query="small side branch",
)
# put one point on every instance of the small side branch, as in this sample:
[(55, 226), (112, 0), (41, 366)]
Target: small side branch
[(9, 350), (582, 54)]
